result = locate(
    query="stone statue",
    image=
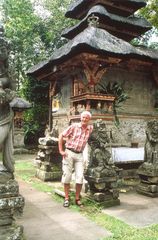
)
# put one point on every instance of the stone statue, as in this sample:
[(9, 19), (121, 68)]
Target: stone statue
[(151, 145), (11, 201), (148, 171), (101, 173), (101, 163), (6, 114), (48, 160), (51, 137), (6, 129)]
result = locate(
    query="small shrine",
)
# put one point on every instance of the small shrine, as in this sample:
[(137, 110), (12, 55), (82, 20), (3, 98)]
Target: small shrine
[(148, 171), (19, 105), (99, 70)]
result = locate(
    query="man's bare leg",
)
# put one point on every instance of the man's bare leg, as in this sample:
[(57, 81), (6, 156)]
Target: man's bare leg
[(78, 191), (66, 190)]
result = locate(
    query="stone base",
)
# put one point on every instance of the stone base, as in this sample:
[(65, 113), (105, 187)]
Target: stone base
[(48, 176), (18, 138), (5, 176), (111, 203), (149, 194), (148, 189), (13, 232), (104, 199), (106, 179)]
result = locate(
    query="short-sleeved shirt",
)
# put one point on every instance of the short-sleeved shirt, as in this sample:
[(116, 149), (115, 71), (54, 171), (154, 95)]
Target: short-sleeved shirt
[(77, 136)]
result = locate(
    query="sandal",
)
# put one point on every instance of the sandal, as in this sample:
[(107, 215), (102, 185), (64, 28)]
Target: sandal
[(78, 203), (66, 203)]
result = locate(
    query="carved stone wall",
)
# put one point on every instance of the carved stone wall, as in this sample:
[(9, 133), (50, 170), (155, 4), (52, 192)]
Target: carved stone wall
[(140, 88)]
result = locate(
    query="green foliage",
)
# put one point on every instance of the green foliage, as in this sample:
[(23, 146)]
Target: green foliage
[(35, 121), (32, 38), (55, 23), (19, 23), (150, 13), (118, 91)]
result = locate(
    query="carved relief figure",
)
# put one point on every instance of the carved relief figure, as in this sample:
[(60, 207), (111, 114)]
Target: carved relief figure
[(100, 158), (151, 145)]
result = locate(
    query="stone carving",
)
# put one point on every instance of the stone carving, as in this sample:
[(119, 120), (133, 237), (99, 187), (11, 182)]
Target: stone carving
[(151, 145), (148, 171), (51, 137), (6, 115), (101, 163), (101, 172), (11, 201), (6, 128), (48, 158)]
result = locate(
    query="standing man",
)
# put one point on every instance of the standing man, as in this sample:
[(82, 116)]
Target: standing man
[(76, 137)]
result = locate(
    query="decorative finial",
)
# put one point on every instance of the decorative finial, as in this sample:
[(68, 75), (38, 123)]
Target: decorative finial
[(93, 21)]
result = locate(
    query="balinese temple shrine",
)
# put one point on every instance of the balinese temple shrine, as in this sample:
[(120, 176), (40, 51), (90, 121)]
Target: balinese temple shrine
[(98, 69)]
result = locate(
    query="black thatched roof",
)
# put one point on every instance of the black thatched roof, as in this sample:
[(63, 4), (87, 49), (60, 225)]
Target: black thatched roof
[(115, 24), (78, 8), (96, 41)]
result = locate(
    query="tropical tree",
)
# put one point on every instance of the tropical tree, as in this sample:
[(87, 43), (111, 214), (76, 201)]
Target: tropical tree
[(33, 34), (150, 12)]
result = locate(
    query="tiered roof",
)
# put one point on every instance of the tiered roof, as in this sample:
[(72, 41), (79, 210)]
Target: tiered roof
[(124, 28), (108, 38), (79, 8), (96, 41)]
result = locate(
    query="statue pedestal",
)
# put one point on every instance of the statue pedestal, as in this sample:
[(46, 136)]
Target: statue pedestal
[(148, 174), (104, 190), (19, 138), (11, 203), (48, 162), (11, 233)]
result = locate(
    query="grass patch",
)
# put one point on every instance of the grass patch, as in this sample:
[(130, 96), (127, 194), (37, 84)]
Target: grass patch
[(121, 231), (25, 170)]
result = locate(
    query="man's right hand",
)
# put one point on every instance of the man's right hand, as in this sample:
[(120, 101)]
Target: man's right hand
[(63, 153)]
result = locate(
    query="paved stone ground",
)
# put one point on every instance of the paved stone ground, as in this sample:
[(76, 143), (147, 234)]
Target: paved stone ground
[(45, 219), (135, 209)]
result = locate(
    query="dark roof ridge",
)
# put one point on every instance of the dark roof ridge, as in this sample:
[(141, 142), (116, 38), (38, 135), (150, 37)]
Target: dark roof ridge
[(79, 5), (98, 41), (99, 10)]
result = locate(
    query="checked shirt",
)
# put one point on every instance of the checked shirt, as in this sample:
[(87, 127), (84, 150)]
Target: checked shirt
[(77, 136)]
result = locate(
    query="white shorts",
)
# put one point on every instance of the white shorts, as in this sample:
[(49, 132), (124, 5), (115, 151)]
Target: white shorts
[(73, 161)]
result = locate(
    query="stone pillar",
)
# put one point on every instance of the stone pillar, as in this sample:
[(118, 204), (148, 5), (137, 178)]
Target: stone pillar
[(48, 163), (104, 189), (101, 173), (11, 203), (48, 160), (148, 171), (148, 174)]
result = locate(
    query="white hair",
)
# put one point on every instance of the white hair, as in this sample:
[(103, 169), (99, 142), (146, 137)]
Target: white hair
[(86, 113)]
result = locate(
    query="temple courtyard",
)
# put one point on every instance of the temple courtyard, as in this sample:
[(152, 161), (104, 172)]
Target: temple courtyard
[(45, 218)]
